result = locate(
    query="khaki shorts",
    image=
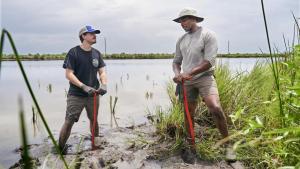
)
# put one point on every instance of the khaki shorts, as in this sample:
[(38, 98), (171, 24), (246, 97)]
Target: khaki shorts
[(75, 105), (206, 86)]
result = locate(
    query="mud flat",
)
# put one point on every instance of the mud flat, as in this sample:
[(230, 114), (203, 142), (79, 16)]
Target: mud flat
[(133, 147)]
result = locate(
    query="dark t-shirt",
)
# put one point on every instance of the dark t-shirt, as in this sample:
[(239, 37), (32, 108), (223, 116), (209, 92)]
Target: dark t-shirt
[(85, 65)]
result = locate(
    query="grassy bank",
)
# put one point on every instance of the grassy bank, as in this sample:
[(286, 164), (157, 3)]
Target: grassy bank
[(262, 136), (131, 56)]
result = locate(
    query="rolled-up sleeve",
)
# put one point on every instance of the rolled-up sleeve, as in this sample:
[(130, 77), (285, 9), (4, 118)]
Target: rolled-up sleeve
[(178, 56), (211, 48), (69, 62), (101, 61)]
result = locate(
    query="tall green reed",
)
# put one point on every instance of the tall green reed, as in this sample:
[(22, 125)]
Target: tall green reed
[(274, 65), (3, 33), (25, 153)]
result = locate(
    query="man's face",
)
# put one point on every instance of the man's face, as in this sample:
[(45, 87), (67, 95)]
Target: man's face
[(90, 38), (187, 23)]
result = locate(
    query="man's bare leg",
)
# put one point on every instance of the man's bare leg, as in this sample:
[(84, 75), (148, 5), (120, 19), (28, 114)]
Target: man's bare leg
[(214, 106), (65, 133)]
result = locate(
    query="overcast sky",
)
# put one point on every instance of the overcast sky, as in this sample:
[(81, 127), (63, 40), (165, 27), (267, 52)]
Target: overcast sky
[(143, 26)]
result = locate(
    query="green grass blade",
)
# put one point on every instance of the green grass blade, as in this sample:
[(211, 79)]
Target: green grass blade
[(25, 153), (298, 27), (30, 89), (1, 48), (273, 64)]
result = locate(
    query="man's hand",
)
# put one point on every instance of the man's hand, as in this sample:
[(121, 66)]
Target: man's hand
[(102, 90), (186, 76), (89, 90), (177, 79)]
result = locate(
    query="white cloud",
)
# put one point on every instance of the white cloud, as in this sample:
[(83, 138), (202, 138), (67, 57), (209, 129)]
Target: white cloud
[(51, 26)]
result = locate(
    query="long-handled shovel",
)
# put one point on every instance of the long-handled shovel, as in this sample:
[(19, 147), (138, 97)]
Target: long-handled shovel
[(94, 122), (188, 115)]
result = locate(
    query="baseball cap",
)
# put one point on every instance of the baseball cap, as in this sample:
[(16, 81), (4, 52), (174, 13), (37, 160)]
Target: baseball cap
[(88, 29)]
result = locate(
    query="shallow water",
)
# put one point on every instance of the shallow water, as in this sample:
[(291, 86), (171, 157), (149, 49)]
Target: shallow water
[(130, 80)]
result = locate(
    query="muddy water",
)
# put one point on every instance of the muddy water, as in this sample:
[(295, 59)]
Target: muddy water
[(138, 84)]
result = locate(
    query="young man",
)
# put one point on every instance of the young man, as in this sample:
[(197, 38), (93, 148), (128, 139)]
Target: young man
[(195, 55), (82, 65)]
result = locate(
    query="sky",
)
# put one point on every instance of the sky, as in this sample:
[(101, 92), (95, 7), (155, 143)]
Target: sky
[(144, 26)]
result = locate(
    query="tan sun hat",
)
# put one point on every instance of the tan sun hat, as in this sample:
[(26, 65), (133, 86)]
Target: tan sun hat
[(188, 12)]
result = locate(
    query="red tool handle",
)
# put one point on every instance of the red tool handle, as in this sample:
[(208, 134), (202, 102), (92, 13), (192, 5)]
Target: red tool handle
[(94, 121), (188, 115)]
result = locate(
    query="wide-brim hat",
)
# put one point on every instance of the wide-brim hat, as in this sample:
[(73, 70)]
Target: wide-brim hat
[(188, 12), (88, 29)]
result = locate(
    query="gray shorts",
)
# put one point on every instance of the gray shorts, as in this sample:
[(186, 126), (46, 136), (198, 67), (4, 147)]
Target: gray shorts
[(75, 105), (206, 86)]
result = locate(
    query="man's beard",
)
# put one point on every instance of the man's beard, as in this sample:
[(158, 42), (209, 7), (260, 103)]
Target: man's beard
[(93, 42), (188, 30)]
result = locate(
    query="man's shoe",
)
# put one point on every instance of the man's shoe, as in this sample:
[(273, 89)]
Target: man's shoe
[(230, 155), (188, 156), (63, 150)]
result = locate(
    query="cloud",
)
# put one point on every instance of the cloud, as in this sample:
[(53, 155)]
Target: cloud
[(140, 26)]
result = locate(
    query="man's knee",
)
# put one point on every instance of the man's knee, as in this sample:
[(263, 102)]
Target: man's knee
[(216, 110), (68, 124), (192, 105), (214, 107)]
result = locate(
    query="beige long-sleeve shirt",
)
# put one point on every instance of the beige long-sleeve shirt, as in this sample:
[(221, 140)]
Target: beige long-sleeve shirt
[(193, 48)]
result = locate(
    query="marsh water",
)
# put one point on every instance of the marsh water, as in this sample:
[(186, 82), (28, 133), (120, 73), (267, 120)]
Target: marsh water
[(140, 86)]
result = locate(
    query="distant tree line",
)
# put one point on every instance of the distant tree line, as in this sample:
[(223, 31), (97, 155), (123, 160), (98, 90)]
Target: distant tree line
[(62, 56)]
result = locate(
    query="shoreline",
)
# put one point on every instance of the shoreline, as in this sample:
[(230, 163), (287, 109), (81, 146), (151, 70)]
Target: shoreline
[(122, 56)]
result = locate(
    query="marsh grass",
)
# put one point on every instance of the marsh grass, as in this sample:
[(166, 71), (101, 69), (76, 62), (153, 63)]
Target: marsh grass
[(112, 106), (76, 162), (251, 106)]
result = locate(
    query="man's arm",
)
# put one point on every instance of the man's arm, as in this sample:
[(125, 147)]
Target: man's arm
[(177, 61), (176, 70), (102, 76), (205, 65), (103, 87), (72, 78)]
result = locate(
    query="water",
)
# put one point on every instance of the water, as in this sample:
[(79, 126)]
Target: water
[(129, 80)]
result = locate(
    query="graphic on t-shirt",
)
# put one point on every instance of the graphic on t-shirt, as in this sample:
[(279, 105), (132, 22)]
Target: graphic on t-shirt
[(95, 62)]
